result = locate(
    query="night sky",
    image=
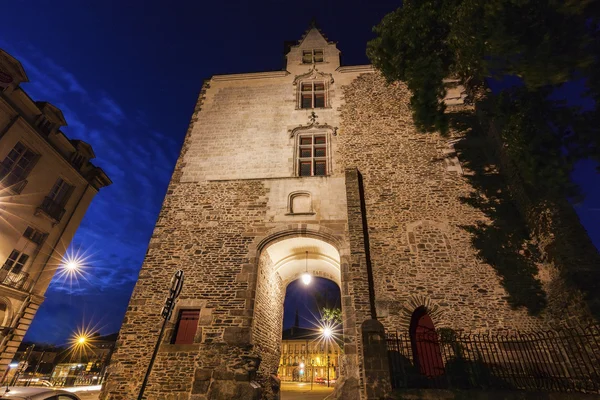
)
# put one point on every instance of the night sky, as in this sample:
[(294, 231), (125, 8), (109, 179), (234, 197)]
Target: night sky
[(126, 75)]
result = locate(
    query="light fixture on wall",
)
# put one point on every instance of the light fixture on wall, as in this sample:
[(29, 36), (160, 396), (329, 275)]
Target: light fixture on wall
[(306, 278)]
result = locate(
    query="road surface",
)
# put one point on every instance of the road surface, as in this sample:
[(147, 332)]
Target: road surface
[(301, 391), (289, 391)]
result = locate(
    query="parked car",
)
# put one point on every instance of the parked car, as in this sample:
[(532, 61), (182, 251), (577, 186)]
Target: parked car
[(35, 393)]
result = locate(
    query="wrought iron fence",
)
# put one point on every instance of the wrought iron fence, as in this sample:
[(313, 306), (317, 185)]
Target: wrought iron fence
[(566, 360), (20, 281)]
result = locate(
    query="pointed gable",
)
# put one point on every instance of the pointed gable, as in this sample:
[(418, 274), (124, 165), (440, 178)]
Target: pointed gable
[(313, 49)]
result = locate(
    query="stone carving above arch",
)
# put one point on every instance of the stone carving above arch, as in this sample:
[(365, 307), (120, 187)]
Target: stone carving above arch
[(314, 74), (313, 125), (300, 203), (416, 301)]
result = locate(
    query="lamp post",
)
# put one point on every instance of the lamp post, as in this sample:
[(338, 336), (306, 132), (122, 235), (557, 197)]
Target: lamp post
[(327, 335), (176, 286), (312, 373), (306, 277)]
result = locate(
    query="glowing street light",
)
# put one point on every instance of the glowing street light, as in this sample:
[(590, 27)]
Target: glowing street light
[(306, 277), (327, 332)]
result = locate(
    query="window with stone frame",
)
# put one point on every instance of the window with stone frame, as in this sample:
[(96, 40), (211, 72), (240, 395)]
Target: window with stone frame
[(15, 262), (312, 154), (34, 235), (187, 325), (60, 192), (312, 56), (313, 94), (16, 166)]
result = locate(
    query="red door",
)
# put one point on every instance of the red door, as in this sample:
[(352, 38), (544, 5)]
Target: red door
[(186, 329), (426, 347)]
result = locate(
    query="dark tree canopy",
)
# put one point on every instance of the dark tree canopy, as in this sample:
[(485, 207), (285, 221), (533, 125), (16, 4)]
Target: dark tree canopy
[(542, 43)]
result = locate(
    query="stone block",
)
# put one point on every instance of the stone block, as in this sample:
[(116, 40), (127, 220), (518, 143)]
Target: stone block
[(237, 336)]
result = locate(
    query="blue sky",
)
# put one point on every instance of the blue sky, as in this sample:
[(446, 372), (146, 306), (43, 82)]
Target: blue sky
[(126, 75)]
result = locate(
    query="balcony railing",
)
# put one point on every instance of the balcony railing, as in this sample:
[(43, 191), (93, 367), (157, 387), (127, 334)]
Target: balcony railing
[(51, 208), (18, 281)]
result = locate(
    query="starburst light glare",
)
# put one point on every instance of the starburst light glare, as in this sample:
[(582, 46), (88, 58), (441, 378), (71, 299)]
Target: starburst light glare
[(81, 343), (74, 266), (327, 332)]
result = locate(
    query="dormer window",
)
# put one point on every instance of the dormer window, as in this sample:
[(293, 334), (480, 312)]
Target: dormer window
[(312, 56), (312, 94), (45, 126), (77, 160)]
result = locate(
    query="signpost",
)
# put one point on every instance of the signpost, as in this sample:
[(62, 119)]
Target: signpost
[(167, 310)]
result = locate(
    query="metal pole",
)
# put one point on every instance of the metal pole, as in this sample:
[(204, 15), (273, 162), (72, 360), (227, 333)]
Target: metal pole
[(312, 369), (37, 367), (327, 350), (176, 286), (162, 330)]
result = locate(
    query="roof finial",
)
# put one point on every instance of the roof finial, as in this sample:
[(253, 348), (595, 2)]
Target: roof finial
[(313, 22)]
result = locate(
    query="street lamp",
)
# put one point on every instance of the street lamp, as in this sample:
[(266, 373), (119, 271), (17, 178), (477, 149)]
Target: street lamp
[(306, 277), (327, 333)]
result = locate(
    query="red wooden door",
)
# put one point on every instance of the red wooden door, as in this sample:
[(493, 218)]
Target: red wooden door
[(426, 347), (186, 329)]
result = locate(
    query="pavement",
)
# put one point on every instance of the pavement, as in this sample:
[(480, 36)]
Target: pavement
[(301, 391), (289, 391)]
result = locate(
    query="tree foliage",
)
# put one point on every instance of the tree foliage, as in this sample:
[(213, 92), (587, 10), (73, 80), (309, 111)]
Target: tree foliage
[(543, 43), (332, 315)]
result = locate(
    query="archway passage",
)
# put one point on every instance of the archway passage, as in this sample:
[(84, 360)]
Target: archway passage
[(425, 344), (281, 265), (311, 338)]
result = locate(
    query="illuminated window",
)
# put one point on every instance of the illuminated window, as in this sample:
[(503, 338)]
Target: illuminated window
[(313, 94), (312, 56), (312, 155), (187, 324)]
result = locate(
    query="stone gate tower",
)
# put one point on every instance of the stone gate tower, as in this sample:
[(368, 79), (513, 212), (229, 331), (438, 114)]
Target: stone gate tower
[(318, 158)]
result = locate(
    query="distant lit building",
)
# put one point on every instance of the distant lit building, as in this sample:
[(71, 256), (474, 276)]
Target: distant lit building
[(46, 185), (304, 356)]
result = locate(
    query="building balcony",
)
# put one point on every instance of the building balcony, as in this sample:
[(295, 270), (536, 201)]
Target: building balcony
[(19, 281), (51, 209)]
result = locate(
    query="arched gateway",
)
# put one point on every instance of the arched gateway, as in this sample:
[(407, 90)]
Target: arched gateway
[(282, 258)]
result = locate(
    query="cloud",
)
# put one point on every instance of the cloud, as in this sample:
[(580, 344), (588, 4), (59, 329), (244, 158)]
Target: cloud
[(119, 222), (108, 109)]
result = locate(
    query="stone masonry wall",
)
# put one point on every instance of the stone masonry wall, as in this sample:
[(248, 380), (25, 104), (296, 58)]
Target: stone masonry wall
[(422, 250), (268, 318)]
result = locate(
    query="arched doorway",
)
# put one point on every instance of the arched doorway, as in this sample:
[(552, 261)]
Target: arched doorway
[(281, 262), (425, 344)]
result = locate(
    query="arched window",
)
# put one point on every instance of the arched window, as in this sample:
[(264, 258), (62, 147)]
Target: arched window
[(3, 314), (425, 344)]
